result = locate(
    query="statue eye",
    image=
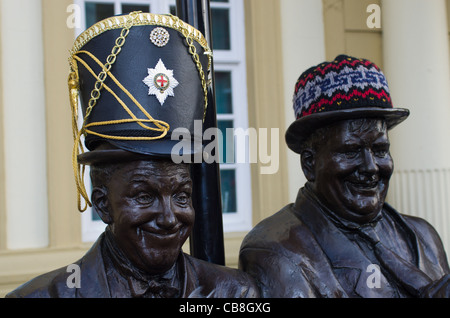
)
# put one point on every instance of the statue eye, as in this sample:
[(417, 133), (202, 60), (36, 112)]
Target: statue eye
[(144, 198), (182, 198), (349, 151), (351, 154), (381, 153)]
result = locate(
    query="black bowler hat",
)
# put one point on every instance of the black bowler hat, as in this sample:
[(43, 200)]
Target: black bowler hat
[(139, 77), (345, 88)]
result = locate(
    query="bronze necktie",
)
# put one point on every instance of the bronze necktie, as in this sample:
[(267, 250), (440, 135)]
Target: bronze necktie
[(407, 274)]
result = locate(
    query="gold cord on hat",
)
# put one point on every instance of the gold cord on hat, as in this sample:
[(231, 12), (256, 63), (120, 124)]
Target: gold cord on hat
[(134, 18), (95, 95), (162, 126)]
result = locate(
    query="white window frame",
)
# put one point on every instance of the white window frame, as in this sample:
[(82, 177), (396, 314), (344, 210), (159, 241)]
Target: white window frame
[(241, 219), (157, 6), (232, 60), (236, 54)]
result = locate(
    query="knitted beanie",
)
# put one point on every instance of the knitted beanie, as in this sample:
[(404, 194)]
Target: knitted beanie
[(345, 88)]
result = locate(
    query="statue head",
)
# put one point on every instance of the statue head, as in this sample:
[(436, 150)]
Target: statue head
[(344, 111), (147, 206), (348, 165)]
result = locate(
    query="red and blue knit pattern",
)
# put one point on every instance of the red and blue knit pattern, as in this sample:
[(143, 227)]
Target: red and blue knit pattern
[(344, 83)]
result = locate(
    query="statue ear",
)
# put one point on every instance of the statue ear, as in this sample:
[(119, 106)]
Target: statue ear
[(307, 160), (99, 199)]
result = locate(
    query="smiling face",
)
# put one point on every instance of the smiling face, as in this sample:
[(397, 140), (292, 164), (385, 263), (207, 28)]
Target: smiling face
[(148, 207), (350, 172)]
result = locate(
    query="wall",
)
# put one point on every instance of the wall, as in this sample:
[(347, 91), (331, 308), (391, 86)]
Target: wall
[(303, 45), (40, 225)]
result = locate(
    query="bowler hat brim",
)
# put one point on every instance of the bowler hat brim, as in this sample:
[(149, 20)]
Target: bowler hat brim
[(302, 128)]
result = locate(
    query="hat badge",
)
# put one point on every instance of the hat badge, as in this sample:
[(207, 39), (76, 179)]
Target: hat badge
[(159, 37), (161, 82)]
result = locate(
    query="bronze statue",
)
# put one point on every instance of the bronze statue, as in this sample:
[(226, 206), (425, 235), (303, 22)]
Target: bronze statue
[(140, 76), (340, 238)]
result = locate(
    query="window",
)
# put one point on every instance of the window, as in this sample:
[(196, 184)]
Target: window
[(231, 99), (96, 10)]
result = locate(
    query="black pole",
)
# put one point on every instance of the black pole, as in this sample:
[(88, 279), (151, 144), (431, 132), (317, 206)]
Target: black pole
[(206, 241)]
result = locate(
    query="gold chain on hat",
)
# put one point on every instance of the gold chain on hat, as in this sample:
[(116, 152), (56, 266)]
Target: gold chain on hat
[(195, 57), (73, 82)]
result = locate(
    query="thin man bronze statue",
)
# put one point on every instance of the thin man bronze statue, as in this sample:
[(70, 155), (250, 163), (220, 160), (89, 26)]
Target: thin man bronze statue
[(139, 77)]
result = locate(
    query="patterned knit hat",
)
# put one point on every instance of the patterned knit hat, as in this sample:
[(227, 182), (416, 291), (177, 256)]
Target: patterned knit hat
[(343, 89)]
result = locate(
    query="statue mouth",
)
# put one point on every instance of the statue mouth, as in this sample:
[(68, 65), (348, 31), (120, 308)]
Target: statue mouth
[(160, 233), (368, 187)]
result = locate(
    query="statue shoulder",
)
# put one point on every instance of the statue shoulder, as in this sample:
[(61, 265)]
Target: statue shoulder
[(217, 281), (429, 239), (425, 231), (274, 229), (48, 285)]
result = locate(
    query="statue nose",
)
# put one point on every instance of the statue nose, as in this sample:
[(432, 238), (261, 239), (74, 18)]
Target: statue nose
[(369, 164), (166, 218)]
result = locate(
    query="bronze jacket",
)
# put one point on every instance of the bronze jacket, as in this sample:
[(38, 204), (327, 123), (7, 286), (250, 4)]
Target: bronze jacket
[(201, 279), (301, 252)]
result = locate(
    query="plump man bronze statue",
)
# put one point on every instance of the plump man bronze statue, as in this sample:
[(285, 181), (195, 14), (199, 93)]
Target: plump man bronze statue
[(140, 76), (340, 238)]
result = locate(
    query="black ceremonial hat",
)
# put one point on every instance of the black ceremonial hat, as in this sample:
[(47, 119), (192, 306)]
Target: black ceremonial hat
[(139, 77)]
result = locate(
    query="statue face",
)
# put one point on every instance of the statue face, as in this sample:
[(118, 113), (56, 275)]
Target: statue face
[(150, 208), (352, 169)]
